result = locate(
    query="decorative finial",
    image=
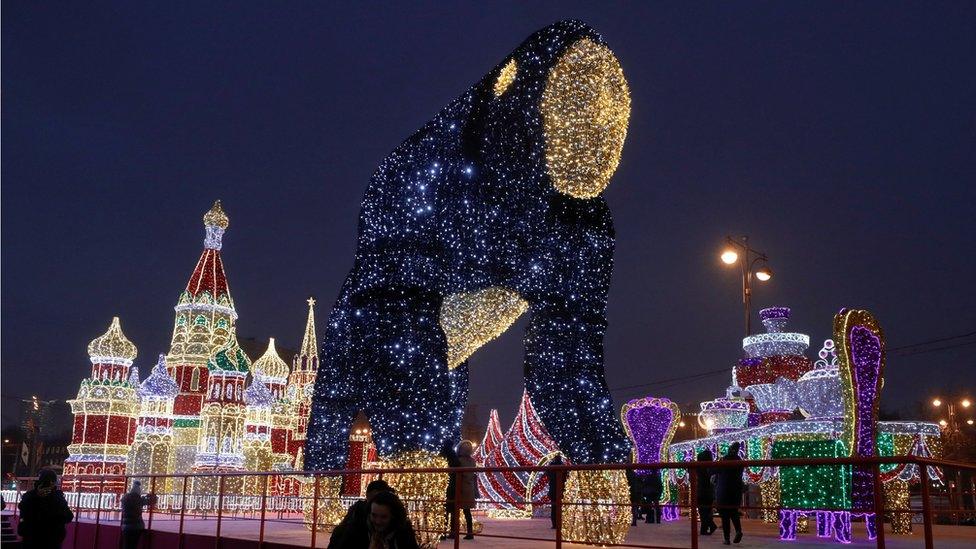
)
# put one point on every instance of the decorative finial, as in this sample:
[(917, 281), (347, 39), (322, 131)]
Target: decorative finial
[(216, 222), (310, 301), (112, 347), (216, 216)]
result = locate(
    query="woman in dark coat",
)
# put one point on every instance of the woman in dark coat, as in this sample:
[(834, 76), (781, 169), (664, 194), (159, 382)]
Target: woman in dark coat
[(653, 490), (467, 488), (448, 453), (43, 513), (706, 495), (728, 491), (386, 527), (636, 488)]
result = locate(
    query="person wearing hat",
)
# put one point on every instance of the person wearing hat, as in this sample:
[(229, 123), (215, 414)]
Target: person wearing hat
[(44, 513), (132, 525)]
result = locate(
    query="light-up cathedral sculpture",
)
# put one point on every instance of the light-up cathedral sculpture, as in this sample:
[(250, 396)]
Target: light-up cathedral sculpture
[(837, 398), (204, 406), (492, 209)]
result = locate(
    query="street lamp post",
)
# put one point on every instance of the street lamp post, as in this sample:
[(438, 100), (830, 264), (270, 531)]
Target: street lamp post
[(738, 251)]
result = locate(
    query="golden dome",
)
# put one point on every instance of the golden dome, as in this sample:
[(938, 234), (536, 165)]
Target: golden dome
[(216, 216), (270, 364), (113, 344)]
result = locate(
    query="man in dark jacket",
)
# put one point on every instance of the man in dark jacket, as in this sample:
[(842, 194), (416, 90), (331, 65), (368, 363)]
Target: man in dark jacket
[(132, 524), (653, 490), (636, 487), (706, 495), (728, 491), (43, 513)]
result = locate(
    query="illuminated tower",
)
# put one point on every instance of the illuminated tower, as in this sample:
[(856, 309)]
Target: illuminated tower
[(152, 450), (204, 324), (301, 383), (257, 432), (272, 372), (104, 415), (221, 444)]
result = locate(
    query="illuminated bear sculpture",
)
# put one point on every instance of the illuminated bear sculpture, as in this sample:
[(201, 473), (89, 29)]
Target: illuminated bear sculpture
[(491, 209)]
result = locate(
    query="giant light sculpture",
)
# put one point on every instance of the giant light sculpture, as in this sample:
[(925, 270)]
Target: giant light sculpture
[(492, 209)]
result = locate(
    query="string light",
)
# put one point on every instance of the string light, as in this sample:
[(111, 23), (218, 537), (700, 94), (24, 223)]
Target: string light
[(526, 443), (487, 195), (651, 423), (105, 413), (152, 448)]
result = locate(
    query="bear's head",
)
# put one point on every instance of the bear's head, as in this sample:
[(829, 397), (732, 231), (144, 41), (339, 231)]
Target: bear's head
[(563, 96)]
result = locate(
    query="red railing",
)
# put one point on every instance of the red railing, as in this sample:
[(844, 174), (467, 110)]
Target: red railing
[(292, 512)]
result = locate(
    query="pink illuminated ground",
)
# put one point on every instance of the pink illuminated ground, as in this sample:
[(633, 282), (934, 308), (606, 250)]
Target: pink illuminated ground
[(289, 532)]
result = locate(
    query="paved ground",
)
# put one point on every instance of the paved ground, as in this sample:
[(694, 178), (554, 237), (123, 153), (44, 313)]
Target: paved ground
[(674, 534)]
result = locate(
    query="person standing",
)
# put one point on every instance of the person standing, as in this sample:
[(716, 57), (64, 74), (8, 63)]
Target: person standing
[(467, 486), (132, 523), (706, 495), (728, 488), (653, 490), (555, 489), (44, 513), (636, 486)]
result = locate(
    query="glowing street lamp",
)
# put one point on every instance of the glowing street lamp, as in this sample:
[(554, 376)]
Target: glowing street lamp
[(936, 403), (751, 257)]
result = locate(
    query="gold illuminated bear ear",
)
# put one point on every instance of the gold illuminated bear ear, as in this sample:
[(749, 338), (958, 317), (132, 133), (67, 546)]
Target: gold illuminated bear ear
[(585, 111), (505, 77)]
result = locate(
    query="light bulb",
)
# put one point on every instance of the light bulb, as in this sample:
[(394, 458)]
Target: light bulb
[(729, 257)]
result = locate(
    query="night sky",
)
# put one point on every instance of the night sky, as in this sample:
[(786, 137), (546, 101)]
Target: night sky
[(839, 136)]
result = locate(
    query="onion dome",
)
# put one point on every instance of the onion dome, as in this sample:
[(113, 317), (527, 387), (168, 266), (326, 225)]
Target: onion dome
[(159, 384), (231, 358), (270, 365), (112, 347), (258, 395), (215, 222), (216, 217)]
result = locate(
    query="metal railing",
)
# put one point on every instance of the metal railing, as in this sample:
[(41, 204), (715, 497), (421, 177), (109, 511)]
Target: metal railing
[(264, 508)]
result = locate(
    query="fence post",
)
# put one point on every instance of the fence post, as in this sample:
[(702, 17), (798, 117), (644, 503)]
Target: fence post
[(183, 508), (926, 506), (74, 536), (98, 510), (693, 503), (557, 507), (315, 510), (455, 526), (879, 509), (220, 507), (264, 507), (152, 505)]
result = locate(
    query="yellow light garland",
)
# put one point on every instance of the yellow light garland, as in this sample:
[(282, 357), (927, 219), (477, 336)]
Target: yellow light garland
[(422, 493), (505, 77), (470, 320), (585, 109), (596, 507)]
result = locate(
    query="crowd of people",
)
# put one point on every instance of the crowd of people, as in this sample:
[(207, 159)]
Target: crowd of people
[(380, 520)]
